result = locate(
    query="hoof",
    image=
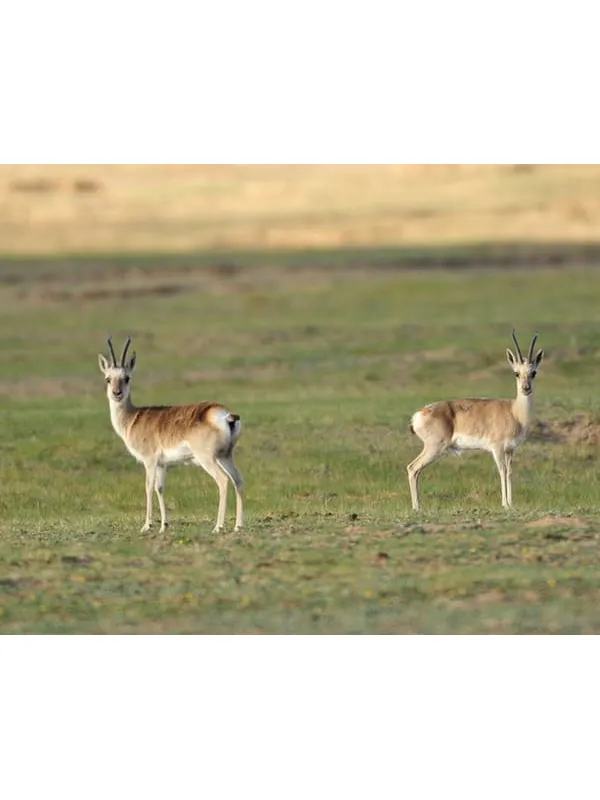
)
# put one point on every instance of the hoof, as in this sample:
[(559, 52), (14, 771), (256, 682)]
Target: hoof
[(217, 529), (146, 527)]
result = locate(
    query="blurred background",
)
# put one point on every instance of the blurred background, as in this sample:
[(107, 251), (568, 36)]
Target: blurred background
[(119, 208)]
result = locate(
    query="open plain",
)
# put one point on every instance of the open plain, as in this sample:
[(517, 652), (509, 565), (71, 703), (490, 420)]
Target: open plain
[(325, 307)]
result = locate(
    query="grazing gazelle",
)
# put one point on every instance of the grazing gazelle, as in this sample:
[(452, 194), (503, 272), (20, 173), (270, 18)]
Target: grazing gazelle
[(204, 434), (498, 426)]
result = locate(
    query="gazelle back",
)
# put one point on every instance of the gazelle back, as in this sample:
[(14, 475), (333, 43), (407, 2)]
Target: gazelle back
[(204, 434), (497, 426)]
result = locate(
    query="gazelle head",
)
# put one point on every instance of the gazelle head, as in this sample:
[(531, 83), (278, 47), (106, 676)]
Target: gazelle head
[(117, 376), (525, 369)]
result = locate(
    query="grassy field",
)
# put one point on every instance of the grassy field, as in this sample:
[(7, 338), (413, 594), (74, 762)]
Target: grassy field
[(325, 366)]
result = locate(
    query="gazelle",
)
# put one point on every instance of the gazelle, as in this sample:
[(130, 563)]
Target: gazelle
[(204, 434), (498, 426)]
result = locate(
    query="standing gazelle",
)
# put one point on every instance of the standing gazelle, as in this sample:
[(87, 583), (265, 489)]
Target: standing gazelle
[(498, 426), (204, 434)]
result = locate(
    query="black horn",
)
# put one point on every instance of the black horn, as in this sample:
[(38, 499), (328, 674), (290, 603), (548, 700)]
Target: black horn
[(125, 349), (514, 336), (533, 341), (112, 352)]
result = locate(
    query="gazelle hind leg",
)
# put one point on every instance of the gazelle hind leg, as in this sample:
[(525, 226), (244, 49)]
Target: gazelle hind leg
[(229, 468), (159, 487), (210, 465), (428, 455)]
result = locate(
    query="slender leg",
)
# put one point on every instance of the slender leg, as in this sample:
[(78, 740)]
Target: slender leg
[(159, 487), (230, 469), (150, 479), (500, 463), (211, 466), (508, 465), (427, 456)]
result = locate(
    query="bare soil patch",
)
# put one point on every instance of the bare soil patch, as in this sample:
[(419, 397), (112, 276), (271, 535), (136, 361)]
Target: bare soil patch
[(131, 293), (581, 429), (435, 527), (551, 521)]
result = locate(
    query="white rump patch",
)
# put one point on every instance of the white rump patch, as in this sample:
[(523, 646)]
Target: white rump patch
[(416, 420), (224, 418)]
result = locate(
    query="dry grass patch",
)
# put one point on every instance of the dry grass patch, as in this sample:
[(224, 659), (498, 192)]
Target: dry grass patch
[(85, 208)]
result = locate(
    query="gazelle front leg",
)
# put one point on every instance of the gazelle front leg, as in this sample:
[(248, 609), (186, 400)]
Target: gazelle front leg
[(499, 457), (159, 486), (150, 481), (508, 467)]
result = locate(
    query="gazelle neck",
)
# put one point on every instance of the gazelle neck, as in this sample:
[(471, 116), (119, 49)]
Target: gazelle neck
[(523, 407), (120, 412)]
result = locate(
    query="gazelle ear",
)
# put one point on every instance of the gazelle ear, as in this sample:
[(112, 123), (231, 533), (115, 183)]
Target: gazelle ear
[(538, 359), (103, 364), (131, 365), (510, 357)]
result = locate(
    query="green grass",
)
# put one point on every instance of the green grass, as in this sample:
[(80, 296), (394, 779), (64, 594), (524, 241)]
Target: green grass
[(325, 368)]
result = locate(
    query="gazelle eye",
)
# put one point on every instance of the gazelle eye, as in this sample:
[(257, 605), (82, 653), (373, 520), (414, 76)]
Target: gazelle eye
[(127, 379), (107, 380), (516, 374), (533, 374)]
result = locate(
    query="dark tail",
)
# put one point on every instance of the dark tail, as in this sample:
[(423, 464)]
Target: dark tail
[(233, 418)]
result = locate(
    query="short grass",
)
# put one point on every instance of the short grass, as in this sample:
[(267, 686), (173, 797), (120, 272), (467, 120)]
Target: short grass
[(325, 367)]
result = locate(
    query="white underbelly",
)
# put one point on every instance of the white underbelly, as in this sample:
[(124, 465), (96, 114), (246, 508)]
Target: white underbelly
[(465, 442), (182, 454)]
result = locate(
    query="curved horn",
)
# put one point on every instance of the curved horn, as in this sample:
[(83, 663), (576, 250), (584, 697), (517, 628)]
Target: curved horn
[(514, 335), (112, 351), (533, 341), (125, 349)]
